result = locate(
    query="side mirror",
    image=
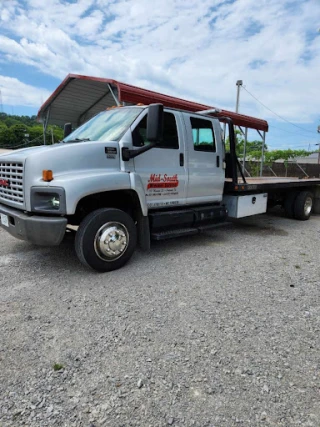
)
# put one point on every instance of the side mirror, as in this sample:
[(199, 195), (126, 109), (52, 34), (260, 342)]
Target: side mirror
[(67, 129), (155, 123)]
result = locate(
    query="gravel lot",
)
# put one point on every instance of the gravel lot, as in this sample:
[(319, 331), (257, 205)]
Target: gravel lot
[(214, 330)]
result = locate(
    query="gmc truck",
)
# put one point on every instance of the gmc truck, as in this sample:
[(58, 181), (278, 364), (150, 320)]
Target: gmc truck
[(133, 174)]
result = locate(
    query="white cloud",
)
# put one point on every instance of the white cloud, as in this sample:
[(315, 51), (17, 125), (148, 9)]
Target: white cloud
[(188, 48), (14, 92), (90, 25)]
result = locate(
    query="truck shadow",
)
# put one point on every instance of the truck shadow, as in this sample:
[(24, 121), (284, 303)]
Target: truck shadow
[(63, 257), (263, 230), (261, 226)]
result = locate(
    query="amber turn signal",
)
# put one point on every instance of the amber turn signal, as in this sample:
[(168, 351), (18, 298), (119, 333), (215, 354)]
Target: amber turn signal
[(47, 175)]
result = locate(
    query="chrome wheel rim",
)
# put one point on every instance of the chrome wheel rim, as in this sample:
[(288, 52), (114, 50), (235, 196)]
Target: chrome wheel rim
[(111, 241), (308, 205)]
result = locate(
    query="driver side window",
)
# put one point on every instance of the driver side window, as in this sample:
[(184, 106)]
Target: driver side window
[(170, 132)]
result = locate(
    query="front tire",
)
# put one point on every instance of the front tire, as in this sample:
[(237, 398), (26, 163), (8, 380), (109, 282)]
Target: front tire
[(106, 239)]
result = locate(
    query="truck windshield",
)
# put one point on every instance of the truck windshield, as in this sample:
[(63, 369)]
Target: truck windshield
[(106, 126)]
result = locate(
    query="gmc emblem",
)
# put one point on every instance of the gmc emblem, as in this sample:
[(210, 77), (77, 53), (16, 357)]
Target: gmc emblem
[(5, 182)]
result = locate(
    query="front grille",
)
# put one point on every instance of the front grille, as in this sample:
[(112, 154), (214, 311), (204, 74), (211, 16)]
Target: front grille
[(12, 174)]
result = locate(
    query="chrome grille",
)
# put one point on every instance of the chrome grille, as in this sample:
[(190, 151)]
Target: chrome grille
[(11, 172)]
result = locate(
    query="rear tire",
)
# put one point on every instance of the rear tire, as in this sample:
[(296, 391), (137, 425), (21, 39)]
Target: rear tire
[(303, 205), (289, 204), (106, 239)]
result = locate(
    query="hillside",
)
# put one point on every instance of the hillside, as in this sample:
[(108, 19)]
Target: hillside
[(20, 131)]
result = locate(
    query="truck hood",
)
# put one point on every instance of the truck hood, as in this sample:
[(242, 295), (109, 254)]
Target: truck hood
[(62, 159), (80, 168), (24, 153)]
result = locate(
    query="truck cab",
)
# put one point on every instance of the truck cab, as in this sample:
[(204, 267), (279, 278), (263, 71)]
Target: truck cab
[(128, 174)]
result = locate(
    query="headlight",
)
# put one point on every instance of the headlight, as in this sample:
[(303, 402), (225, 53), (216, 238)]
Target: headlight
[(55, 202), (48, 200)]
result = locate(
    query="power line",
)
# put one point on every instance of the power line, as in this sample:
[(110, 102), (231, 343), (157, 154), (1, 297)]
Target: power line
[(288, 131), (282, 118)]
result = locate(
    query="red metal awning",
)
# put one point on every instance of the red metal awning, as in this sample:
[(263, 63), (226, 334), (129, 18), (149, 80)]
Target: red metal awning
[(79, 98)]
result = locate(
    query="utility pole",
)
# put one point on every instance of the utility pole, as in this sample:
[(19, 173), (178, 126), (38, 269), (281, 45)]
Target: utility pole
[(318, 154), (238, 84), (319, 147)]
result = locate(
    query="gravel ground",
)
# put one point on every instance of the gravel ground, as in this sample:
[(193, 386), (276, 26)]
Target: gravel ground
[(214, 330)]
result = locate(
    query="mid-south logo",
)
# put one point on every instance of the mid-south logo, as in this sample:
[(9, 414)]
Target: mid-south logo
[(4, 182), (163, 181)]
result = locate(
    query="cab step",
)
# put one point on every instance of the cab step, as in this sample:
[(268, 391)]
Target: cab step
[(171, 234)]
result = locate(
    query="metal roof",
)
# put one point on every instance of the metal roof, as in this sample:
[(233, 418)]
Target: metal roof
[(78, 98)]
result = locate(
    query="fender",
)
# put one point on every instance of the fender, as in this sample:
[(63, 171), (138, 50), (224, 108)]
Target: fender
[(94, 182), (137, 186)]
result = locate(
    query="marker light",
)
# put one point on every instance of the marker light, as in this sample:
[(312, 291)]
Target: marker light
[(47, 175)]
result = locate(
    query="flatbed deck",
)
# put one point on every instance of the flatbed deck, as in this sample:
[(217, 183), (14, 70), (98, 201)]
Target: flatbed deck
[(268, 183)]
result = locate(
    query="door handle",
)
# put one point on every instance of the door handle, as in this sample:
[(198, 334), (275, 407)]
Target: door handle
[(218, 161), (181, 159)]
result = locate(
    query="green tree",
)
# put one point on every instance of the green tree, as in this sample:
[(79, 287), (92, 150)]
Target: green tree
[(250, 145), (20, 130), (14, 128), (274, 155), (57, 133), (7, 137), (36, 132)]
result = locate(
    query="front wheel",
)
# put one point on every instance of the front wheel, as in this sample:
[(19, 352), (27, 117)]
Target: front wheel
[(106, 239)]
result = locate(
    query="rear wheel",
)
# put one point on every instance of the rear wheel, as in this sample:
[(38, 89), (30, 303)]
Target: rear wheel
[(106, 239), (289, 204), (303, 205)]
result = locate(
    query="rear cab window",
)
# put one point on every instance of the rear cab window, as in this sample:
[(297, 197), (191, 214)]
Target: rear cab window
[(203, 135)]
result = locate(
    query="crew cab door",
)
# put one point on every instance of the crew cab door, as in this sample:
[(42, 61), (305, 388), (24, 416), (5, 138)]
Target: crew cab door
[(162, 168), (204, 159)]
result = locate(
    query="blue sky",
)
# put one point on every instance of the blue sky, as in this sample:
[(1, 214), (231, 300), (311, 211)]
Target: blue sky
[(191, 49)]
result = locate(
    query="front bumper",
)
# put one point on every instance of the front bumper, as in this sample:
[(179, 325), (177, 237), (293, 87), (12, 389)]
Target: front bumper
[(40, 230)]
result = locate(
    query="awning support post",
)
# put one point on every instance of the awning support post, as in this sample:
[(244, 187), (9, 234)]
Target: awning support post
[(245, 150), (116, 100), (45, 125), (262, 154)]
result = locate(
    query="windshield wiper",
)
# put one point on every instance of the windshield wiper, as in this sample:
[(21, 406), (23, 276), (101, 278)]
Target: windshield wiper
[(77, 140)]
